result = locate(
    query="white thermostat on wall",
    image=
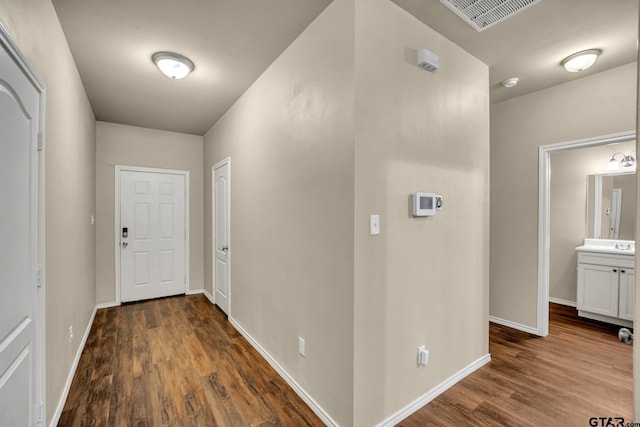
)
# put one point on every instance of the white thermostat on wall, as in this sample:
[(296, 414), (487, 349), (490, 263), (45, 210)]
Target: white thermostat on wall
[(425, 204)]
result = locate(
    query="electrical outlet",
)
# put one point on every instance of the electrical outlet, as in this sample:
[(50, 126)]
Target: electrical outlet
[(423, 355), (301, 347), (70, 333)]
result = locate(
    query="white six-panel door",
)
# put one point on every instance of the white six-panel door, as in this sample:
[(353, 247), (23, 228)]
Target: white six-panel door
[(20, 242), (221, 235), (152, 235)]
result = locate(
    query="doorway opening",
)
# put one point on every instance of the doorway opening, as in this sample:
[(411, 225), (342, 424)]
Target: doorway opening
[(544, 215)]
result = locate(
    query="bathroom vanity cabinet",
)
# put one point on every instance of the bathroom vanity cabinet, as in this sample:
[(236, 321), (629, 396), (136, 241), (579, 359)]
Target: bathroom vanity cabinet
[(606, 281)]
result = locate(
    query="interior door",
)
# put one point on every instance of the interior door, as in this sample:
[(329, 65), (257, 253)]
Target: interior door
[(221, 237), (152, 235), (20, 239)]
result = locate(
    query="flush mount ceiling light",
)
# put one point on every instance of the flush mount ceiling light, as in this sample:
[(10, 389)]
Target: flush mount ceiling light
[(509, 83), (580, 61), (172, 64), (627, 161)]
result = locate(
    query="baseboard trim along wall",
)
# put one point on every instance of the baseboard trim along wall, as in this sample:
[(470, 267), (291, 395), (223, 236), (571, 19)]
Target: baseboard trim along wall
[(315, 407), (434, 392), (514, 325), (202, 291), (72, 372), (209, 296), (107, 305), (563, 302)]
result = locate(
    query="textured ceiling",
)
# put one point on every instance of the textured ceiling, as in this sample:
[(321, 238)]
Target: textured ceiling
[(531, 44), (232, 42)]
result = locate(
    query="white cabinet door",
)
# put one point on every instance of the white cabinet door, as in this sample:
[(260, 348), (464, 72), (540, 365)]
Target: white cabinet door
[(627, 285), (598, 290)]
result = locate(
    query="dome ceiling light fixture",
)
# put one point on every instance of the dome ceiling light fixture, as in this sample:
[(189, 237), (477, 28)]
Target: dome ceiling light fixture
[(580, 61), (509, 83), (173, 65)]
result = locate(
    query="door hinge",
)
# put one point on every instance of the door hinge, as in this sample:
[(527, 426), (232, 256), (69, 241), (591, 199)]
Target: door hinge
[(40, 141), (40, 276), (185, 234), (39, 412), (185, 280)]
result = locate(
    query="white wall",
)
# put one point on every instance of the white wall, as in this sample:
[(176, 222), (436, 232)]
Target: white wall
[(134, 146), (70, 185), (290, 139), (599, 104), (422, 280)]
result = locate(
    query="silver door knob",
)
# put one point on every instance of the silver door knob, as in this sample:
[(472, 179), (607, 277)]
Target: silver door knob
[(125, 244), (224, 248)]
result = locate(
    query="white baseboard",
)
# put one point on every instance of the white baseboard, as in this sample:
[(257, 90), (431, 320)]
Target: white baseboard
[(204, 292), (107, 305), (209, 296), (514, 325), (563, 302), (315, 407), (72, 372), (434, 392)]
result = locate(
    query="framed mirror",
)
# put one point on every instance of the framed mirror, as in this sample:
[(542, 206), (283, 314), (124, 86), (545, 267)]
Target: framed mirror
[(611, 201)]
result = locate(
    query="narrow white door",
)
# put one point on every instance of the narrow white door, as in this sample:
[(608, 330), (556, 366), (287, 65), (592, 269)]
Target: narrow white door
[(19, 243), (222, 256), (152, 235)]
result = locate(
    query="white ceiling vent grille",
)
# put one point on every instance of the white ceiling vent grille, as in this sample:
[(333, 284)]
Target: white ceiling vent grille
[(482, 14)]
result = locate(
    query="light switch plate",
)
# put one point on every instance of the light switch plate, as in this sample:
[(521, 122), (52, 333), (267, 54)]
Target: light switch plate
[(374, 225), (302, 347)]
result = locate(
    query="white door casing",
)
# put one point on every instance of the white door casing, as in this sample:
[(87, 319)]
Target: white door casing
[(221, 238), (544, 215), (153, 254), (22, 327)]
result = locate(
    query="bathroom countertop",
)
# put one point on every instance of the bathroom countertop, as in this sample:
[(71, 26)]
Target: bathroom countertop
[(619, 247)]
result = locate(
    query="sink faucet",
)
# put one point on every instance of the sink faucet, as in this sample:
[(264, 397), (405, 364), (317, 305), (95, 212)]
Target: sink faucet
[(624, 246)]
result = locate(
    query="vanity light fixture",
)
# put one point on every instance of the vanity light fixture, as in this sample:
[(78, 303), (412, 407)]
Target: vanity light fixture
[(580, 61), (627, 161), (173, 65)]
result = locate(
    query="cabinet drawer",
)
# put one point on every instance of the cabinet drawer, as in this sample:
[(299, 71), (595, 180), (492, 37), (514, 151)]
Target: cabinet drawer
[(627, 261)]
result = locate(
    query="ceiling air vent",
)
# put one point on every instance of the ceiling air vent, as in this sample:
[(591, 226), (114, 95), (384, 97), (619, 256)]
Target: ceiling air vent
[(482, 14)]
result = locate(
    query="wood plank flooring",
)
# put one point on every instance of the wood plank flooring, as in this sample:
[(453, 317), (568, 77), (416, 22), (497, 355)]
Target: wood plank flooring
[(176, 361), (579, 371)]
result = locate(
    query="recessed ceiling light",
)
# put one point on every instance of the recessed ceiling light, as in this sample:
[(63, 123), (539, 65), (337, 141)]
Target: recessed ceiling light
[(172, 64), (580, 61), (512, 82)]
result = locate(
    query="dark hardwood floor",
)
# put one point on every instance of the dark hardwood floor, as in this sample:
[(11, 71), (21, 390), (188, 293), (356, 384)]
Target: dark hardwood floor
[(579, 371), (176, 361)]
